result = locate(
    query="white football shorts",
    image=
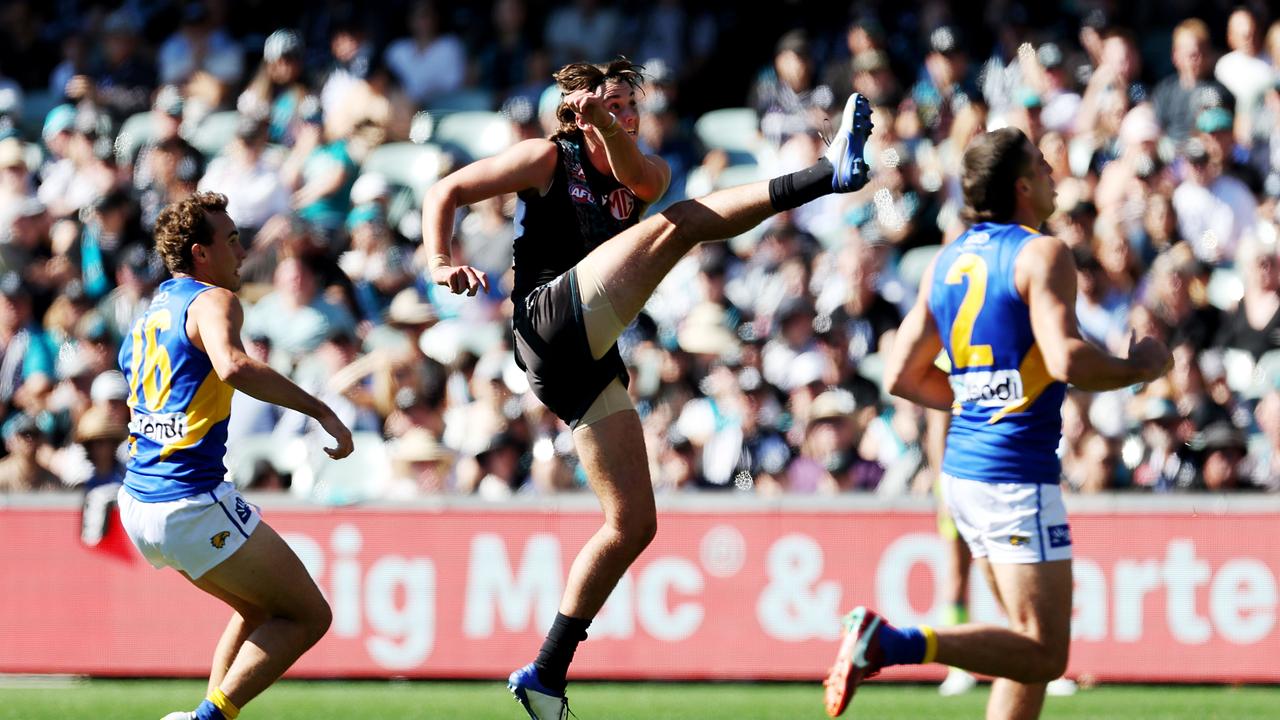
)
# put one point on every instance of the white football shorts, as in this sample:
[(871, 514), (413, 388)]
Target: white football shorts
[(192, 534), (1009, 522)]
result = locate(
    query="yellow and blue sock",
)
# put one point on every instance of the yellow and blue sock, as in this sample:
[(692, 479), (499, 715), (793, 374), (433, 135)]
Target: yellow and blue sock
[(909, 645), (217, 707)]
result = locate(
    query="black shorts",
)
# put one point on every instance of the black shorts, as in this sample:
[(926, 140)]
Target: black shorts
[(552, 348)]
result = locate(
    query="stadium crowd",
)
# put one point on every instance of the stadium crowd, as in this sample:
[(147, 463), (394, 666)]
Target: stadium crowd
[(756, 365)]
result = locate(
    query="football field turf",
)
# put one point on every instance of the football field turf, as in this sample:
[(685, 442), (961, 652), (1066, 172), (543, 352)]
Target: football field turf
[(152, 699)]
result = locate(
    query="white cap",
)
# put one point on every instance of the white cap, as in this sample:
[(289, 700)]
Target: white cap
[(368, 188)]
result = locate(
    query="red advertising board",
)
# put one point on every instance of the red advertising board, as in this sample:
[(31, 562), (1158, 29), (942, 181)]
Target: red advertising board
[(756, 594)]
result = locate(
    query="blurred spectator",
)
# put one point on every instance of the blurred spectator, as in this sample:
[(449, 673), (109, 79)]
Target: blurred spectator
[(294, 316), (944, 85), (1222, 449), (430, 62), (501, 59), (1254, 326), (421, 466), (1213, 209), (1265, 459), (352, 55), (786, 95), (199, 46), (21, 470), (1244, 71), (124, 78), (320, 175), (581, 30), (277, 89), (1180, 97), (249, 176), (829, 462), (137, 273), (26, 351)]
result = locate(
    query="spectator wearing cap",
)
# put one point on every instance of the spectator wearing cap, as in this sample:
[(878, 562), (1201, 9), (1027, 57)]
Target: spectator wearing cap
[(124, 76), (1179, 98), (294, 316), (499, 468), (85, 175), (174, 170), (1119, 189), (873, 78), (278, 87), (944, 84), (25, 351), (430, 62), (829, 461), (1244, 71), (200, 46), (101, 435), (1254, 326), (110, 392), (1222, 466), (786, 94), (21, 471), (56, 135), (1057, 89), (792, 337), (1215, 125), (1214, 209), (863, 38), (352, 57), (250, 178), (377, 265)]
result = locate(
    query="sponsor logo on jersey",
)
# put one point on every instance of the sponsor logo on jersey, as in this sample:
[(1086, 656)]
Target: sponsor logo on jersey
[(220, 540), (1059, 535), (977, 239), (621, 203), (162, 428), (242, 510), (581, 194), (987, 388), (1019, 540)]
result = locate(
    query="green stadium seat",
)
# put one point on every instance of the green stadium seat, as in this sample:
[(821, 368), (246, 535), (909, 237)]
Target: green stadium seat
[(913, 264), (733, 130), (137, 130), (214, 133), (469, 100), (406, 164), (475, 134)]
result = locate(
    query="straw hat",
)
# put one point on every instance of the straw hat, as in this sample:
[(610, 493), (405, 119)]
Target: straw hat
[(96, 424)]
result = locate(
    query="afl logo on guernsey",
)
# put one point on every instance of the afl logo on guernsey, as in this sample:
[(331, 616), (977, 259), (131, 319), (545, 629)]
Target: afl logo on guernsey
[(621, 203), (581, 194)]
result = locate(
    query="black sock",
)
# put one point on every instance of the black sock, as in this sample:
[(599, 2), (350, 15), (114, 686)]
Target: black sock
[(792, 191), (557, 650)]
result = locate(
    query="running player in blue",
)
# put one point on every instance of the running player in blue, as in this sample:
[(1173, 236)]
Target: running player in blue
[(1000, 301), (183, 362)]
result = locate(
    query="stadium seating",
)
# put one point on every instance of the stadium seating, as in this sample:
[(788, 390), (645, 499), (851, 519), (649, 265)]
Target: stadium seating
[(406, 164), (136, 131), (467, 100), (475, 134), (913, 264), (733, 130), (214, 133)]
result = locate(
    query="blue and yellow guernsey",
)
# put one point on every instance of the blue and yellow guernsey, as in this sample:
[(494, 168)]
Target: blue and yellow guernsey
[(178, 430), (1007, 418)]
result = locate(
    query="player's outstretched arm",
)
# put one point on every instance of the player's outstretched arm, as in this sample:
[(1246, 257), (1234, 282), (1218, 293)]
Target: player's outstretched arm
[(526, 166), (910, 372), (213, 324), (1046, 278)]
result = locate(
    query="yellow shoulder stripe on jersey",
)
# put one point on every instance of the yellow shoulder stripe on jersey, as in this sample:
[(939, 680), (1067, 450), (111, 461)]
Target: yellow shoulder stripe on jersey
[(210, 406), (1035, 380)]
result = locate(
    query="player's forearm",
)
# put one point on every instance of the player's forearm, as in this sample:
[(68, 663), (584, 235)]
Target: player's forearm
[(1089, 368), (932, 389), (438, 209), (631, 167), (257, 379)]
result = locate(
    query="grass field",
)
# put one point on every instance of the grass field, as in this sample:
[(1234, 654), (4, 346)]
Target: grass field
[(152, 699)]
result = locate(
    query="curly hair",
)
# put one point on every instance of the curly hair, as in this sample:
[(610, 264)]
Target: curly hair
[(589, 76), (992, 164), (183, 224)]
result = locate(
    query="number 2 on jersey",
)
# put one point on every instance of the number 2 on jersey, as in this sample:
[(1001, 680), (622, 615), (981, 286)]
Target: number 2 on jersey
[(152, 369), (974, 268)]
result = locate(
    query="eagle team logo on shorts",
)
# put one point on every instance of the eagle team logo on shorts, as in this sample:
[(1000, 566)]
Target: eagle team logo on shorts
[(621, 203), (1059, 535), (1019, 540), (220, 540), (243, 511)]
